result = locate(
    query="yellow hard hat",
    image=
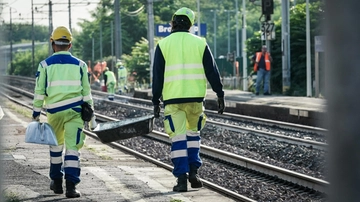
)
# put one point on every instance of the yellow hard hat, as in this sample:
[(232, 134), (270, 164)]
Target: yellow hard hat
[(61, 33), (187, 12)]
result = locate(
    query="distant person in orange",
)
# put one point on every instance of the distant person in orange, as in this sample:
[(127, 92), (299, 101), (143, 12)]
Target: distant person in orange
[(262, 65)]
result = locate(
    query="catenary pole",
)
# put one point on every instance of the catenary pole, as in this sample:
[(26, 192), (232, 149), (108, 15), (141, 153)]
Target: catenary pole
[(151, 37), (198, 18), (228, 25), (308, 53), (32, 37), (112, 44), (70, 28), (237, 28), (215, 28), (11, 43), (285, 38), (50, 26), (101, 48), (243, 42), (117, 29)]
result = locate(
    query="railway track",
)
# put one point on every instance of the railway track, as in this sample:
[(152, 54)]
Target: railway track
[(262, 169), (288, 132)]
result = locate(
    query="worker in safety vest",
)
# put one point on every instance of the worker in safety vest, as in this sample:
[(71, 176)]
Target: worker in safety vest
[(183, 63), (262, 65), (62, 86), (122, 77), (110, 82)]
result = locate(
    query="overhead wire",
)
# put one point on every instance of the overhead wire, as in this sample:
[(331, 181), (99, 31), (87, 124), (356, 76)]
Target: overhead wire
[(134, 13)]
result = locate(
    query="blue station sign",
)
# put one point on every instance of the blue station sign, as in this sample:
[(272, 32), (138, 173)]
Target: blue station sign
[(164, 30)]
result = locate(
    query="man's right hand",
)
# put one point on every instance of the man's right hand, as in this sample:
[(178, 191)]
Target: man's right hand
[(36, 118), (221, 105), (156, 111)]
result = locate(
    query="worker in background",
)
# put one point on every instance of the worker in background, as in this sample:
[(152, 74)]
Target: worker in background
[(110, 82), (183, 63), (122, 77), (262, 64), (62, 86)]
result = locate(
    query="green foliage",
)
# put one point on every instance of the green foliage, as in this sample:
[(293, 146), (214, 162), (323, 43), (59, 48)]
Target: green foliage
[(138, 61), (22, 33), (22, 61)]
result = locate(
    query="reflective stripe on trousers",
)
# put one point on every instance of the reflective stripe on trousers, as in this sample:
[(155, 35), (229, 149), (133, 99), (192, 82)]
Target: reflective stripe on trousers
[(111, 90), (183, 123)]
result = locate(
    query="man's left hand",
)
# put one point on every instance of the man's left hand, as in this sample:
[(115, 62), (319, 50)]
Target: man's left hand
[(156, 111), (221, 105)]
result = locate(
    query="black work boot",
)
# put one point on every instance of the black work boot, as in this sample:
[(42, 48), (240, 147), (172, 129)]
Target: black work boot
[(56, 186), (194, 178), (71, 191), (181, 184)]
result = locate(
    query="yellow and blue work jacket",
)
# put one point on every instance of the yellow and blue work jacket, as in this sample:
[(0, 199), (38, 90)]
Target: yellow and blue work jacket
[(182, 64), (61, 83)]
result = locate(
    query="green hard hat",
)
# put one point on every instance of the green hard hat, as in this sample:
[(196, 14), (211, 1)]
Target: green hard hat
[(187, 12)]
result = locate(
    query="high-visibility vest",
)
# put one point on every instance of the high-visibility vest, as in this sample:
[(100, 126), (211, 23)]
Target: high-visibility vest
[(122, 72), (184, 75), (61, 85), (110, 77), (267, 61)]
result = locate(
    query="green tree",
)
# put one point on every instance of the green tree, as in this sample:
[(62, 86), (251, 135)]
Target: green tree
[(138, 61), (22, 33), (22, 65)]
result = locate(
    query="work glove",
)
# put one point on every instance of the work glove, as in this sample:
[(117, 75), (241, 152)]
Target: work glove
[(221, 105), (156, 111), (37, 118), (93, 123)]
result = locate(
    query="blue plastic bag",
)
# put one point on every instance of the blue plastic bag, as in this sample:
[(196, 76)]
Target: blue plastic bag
[(40, 133)]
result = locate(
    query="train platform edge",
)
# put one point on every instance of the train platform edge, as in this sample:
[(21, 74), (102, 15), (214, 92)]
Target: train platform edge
[(293, 109)]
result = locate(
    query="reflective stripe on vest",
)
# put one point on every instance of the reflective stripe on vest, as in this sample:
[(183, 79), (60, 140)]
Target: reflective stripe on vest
[(267, 61), (184, 75)]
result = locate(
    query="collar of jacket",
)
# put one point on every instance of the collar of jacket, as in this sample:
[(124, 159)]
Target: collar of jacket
[(179, 31), (62, 53)]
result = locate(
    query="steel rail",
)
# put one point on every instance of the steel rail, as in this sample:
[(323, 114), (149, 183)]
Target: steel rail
[(231, 116)]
